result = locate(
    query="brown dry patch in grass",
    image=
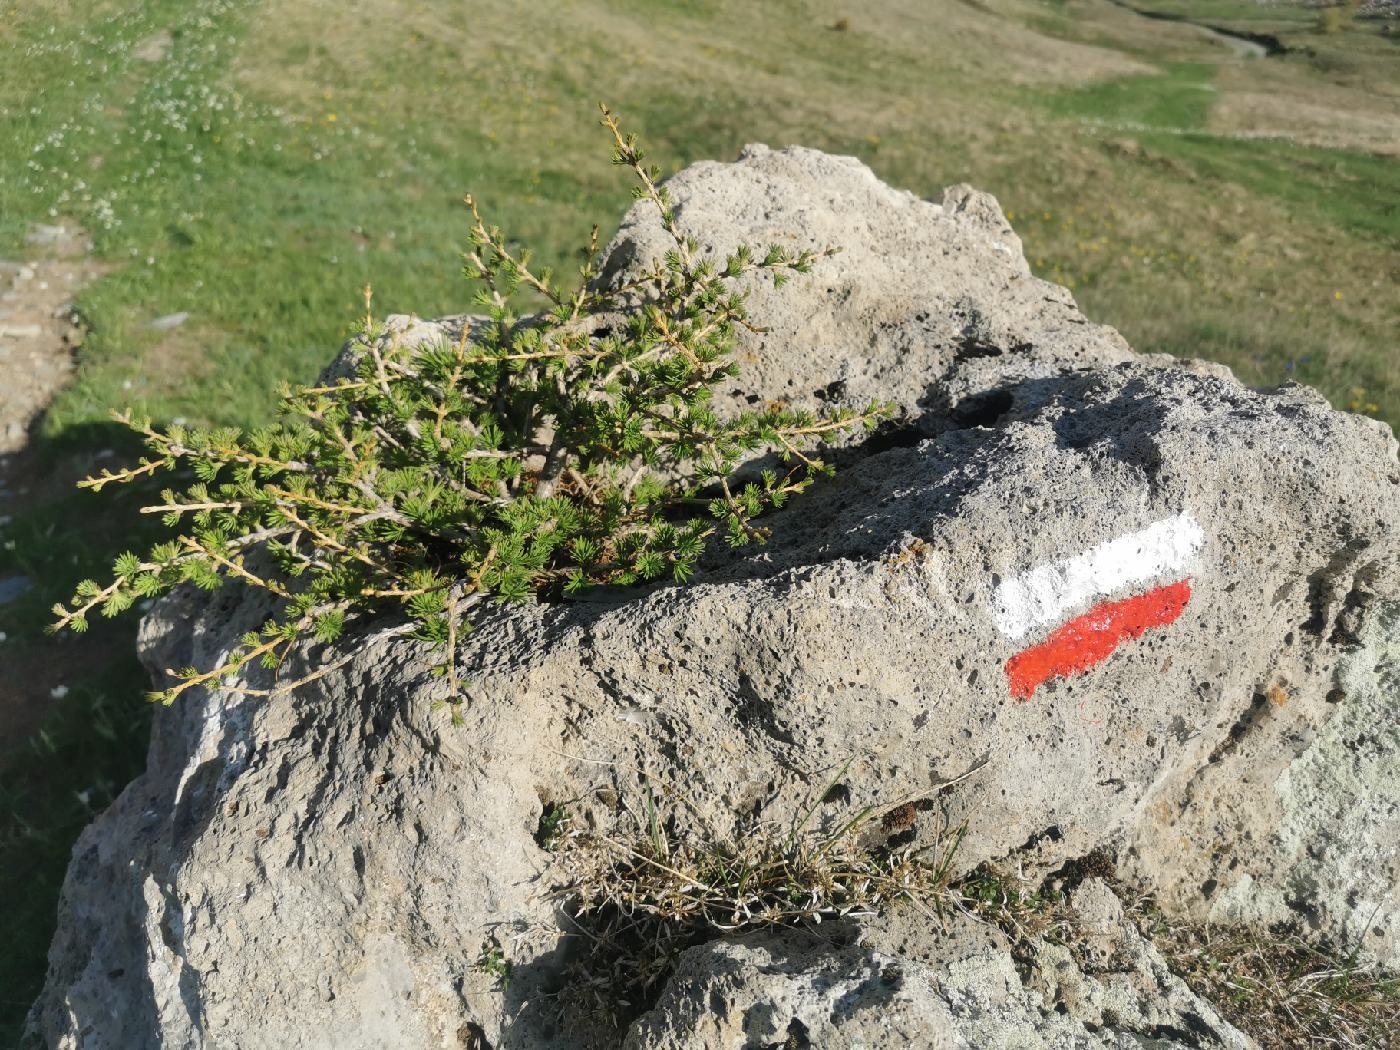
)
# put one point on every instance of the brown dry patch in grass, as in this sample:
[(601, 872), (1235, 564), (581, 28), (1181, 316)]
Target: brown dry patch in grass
[(176, 361), (890, 51), (991, 40), (1200, 267), (1311, 112), (154, 47)]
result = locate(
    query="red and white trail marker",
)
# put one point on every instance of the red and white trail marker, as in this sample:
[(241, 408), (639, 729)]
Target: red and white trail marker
[(1145, 569)]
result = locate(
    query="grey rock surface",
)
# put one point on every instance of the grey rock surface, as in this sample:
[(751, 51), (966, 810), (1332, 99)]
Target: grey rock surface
[(326, 868), (1318, 836), (772, 990), (957, 990), (918, 285)]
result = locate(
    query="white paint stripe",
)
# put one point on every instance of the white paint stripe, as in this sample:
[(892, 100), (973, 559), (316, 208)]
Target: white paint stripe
[(1047, 592)]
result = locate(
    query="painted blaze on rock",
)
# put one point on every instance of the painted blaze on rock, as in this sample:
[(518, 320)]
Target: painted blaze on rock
[(1043, 595)]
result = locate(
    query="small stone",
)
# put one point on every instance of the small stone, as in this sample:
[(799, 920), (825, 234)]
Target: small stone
[(168, 321), (154, 47), (21, 331), (11, 587), (43, 233)]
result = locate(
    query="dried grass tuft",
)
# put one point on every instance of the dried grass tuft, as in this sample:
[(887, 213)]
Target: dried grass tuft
[(1282, 990), (638, 904)]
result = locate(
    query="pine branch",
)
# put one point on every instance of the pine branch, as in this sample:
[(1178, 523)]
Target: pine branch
[(547, 452)]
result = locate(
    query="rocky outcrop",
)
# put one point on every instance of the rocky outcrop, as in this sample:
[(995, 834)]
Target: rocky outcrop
[(1046, 607), (917, 288)]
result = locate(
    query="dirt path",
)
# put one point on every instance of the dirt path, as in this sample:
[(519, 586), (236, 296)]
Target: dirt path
[(39, 338), (38, 330)]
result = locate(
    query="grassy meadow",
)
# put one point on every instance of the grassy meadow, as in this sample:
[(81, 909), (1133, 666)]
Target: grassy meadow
[(254, 163)]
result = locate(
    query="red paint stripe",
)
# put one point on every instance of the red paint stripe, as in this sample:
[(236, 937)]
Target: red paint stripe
[(1087, 640)]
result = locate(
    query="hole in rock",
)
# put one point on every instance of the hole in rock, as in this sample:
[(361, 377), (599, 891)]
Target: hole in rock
[(547, 830), (798, 1037), (891, 434), (1052, 834), (471, 1036), (983, 410), (837, 793)]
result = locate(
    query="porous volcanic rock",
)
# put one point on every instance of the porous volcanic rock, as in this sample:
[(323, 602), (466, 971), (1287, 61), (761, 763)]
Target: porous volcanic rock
[(1297, 821), (917, 288), (956, 988), (325, 869)]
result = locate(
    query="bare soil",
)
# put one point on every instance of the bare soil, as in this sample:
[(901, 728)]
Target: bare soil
[(39, 333), (39, 338)]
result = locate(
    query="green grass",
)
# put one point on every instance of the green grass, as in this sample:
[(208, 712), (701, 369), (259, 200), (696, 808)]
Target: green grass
[(1349, 191), (92, 738), (1177, 97), (286, 152), (50, 789)]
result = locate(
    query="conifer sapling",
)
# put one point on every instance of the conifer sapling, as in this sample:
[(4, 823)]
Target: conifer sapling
[(538, 454)]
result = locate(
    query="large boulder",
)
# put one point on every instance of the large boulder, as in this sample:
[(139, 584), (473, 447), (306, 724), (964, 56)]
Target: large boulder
[(1045, 619)]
